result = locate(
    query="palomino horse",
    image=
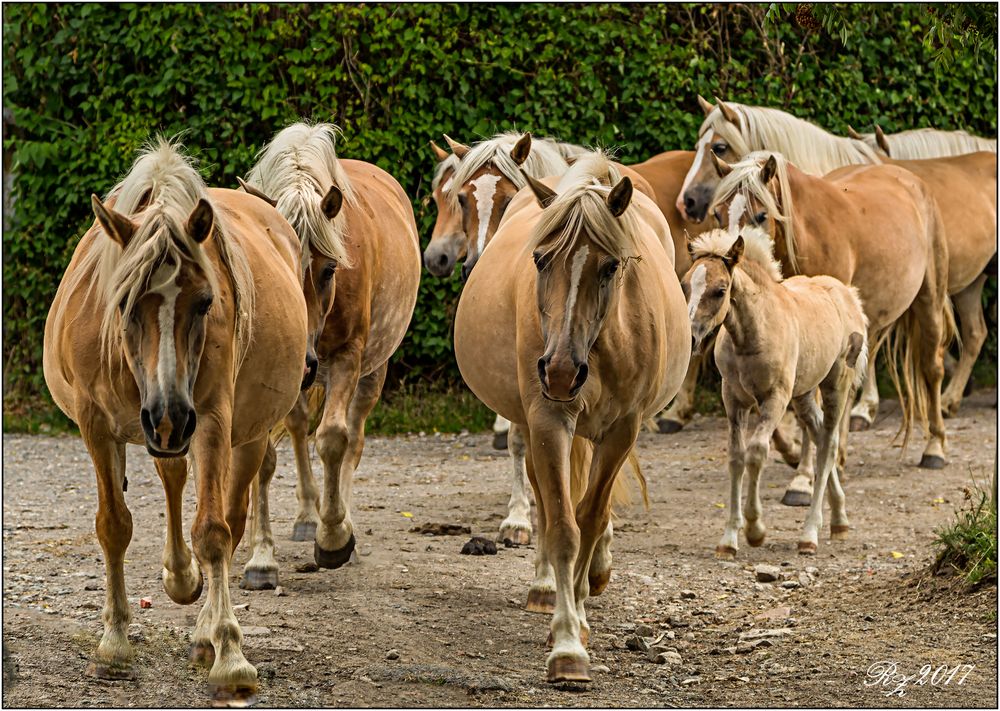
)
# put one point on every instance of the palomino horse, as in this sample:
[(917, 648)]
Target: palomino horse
[(179, 324), (447, 243), (964, 186), (361, 270), (771, 355), (924, 143), (574, 328), (852, 225)]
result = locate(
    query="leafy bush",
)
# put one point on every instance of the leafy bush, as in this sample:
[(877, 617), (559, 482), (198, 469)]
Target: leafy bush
[(86, 84)]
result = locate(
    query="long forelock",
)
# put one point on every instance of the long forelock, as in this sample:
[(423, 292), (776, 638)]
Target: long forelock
[(757, 248), (543, 160), (811, 148), (297, 169), (449, 163), (581, 208)]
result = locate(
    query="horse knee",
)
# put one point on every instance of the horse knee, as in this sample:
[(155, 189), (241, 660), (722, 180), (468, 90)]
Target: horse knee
[(756, 454), (211, 540), (331, 440)]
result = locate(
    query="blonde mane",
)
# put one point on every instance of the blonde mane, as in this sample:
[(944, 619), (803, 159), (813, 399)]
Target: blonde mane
[(581, 206), (757, 248), (297, 169), (545, 159), (744, 179), (931, 143), (805, 144), (449, 163), (159, 193)]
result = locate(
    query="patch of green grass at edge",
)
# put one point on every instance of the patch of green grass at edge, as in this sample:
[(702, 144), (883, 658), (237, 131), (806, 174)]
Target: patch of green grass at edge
[(967, 547)]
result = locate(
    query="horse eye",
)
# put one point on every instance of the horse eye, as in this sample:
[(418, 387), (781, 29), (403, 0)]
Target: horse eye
[(609, 269), (462, 200), (719, 148), (328, 272), (718, 217), (759, 218), (121, 305), (541, 260), (204, 305)]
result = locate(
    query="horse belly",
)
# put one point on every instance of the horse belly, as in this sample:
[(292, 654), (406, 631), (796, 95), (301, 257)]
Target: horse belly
[(392, 308)]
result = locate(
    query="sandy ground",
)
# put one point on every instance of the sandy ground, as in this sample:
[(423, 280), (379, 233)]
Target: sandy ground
[(457, 621)]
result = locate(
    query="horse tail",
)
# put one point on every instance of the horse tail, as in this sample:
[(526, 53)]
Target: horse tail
[(580, 457), (315, 399)]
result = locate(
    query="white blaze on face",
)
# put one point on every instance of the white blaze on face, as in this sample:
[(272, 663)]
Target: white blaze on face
[(736, 209), (576, 271), (164, 283), (699, 155), (484, 188), (697, 290), (444, 188)]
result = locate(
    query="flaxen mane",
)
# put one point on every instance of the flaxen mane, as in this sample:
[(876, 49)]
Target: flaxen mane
[(159, 193), (297, 169), (744, 180), (805, 144), (544, 159), (581, 206), (757, 247), (449, 163), (931, 143)]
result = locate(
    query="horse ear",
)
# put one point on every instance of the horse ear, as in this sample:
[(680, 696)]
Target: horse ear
[(117, 226), (769, 169), (519, 153), (543, 193), (854, 134), (721, 167), (199, 224), (734, 254), (440, 153), (459, 149), (728, 112), (251, 190), (705, 105), (332, 202), (882, 142), (620, 196)]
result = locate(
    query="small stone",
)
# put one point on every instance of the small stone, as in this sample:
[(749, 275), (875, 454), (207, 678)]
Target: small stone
[(747, 647), (266, 671), (637, 644), (689, 636), (644, 630), (280, 592), (392, 654), (791, 584), (92, 586), (241, 606), (776, 613), (765, 634), (135, 633), (611, 641), (805, 579), (767, 573), (600, 669), (692, 680), (251, 630), (688, 595), (145, 603), (675, 621), (672, 658), (812, 570), (309, 567)]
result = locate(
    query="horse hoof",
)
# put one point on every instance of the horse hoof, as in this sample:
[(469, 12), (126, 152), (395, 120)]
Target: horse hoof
[(666, 426), (304, 531), (179, 596), (807, 548), (931, 461), (542, 601), (725, 553), (756, 542), (516, 536), (568, 669), (796, 498), (233, 696), (859, 424), (261, 579), (500, 440), (202, 653), (598, 582), (111, 672), (334, 559), (839, 533)]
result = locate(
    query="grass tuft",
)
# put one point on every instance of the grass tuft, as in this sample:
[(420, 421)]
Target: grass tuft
[(968, 546)]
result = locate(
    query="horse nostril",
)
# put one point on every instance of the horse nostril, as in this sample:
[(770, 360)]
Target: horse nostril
[(192, 421), (581, 377), (689, 204), (466, 269), (542, 363), (443, 260), (146, 419)]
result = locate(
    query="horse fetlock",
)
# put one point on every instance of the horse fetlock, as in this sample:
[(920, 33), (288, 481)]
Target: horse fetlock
[(755, 532), (839, 531), (184, 586)]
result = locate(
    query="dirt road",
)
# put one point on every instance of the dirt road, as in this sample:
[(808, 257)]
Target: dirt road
[(456, 621)]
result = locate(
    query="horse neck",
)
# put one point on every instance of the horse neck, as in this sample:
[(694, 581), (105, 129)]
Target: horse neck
[(746, 320)]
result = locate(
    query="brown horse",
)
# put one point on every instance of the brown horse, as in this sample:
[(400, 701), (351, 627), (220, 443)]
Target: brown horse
[(448, 241), (574, 328), (179, 324), (924, 143), (361, 271), (852, 225)]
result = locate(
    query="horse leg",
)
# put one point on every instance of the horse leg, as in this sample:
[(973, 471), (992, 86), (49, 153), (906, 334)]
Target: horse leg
[(969, 307), (681, 409), (307, 518), (501, 429), (799, 490), (182, 578), (542, 593), (114, 656), (550, 444), (261, 571), (517, 526), (737, 416), (771, 411), (783, 440), (600, 564), (224, 474), (341, 441), (864, 411)]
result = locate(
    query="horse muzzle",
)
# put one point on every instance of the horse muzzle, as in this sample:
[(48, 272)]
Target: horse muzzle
[(440, 261), (696, 200), (561, 378), (168, 428), (309, 374)]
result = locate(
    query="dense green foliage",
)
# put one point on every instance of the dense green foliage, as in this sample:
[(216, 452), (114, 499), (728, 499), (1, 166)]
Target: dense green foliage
[(87, 84)]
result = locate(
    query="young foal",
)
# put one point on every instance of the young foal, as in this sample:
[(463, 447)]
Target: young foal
[(179, 324), (565, 331), (356, 224), (771, 354)]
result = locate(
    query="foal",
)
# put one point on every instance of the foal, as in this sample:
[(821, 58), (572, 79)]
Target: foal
[(770, 354)]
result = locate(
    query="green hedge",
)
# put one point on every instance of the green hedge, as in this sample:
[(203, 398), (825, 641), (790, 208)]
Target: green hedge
[(87, 84)]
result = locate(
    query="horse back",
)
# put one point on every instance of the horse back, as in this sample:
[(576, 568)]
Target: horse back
[(665, 173)]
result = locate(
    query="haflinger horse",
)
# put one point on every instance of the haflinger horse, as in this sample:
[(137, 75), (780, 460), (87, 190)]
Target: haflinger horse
[(448, 242), (924, 143), (573, 326), (360, 274), (179, 324), (964, 187), (770, 355), (853, 225)]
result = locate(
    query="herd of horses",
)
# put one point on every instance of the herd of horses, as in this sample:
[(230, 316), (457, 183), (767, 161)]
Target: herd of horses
[(201, 321)]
